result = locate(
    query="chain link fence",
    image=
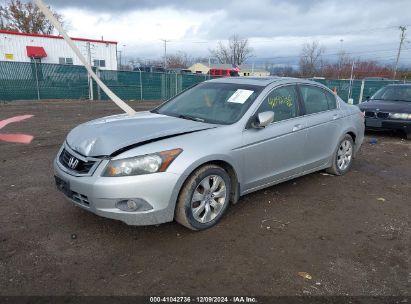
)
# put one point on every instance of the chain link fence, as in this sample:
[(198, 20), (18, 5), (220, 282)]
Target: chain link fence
[(358, 90), (30, 81)]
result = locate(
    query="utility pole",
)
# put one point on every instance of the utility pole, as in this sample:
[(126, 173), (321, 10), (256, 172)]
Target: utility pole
[(165, 52), (123, 55), (341, 58), (119, 60), (402, 38)]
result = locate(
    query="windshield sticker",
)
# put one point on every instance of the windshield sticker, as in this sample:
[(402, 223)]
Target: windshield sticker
[(240, 96), (280, 100)]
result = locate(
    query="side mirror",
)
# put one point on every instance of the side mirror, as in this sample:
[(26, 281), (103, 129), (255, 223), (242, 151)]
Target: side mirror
[(264, 119)]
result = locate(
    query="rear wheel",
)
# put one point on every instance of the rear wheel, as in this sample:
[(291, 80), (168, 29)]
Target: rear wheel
[(204, 198), (343, 157)]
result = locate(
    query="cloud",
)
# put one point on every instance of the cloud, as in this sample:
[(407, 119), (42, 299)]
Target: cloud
[(276, 28), (126, 5)]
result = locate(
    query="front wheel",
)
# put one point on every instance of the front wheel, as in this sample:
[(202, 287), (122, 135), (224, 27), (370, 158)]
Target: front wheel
[(204, 198), (343, 157)]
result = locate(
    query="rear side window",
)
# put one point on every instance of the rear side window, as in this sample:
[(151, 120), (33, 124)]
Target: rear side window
[(316, 100), (283, 102)]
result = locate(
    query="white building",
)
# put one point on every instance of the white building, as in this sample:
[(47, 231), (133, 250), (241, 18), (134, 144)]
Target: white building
[(25, 47)]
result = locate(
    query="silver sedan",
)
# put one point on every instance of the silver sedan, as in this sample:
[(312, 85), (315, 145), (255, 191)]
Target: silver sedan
[(188, 159)]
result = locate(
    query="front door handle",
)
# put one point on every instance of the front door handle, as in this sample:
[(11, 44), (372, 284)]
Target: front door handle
[(297, 127), (336, 116)]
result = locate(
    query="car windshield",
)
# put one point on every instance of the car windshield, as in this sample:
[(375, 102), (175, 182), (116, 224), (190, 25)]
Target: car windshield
[(394, 93), (218, 103)]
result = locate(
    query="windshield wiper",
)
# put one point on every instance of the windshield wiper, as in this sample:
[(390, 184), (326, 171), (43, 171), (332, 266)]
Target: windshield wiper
[(190, 118)]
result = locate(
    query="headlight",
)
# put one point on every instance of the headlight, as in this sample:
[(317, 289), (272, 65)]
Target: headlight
[(400, 116), (145, 164)]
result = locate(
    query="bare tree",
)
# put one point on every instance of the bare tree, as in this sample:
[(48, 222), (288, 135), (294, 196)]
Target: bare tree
[(311, 58), (344, 62), (25, 17), (281, 70), (236, 52), (179, 60)]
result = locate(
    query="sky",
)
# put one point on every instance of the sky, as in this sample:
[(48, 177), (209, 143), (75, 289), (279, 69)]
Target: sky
[(276, 29)]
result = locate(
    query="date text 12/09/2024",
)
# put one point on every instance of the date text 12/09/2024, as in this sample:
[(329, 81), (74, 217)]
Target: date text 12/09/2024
[(200, 299)]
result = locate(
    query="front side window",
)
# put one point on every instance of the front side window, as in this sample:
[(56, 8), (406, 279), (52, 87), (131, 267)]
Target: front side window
[(315, 99), (220, 103), (283, 102)]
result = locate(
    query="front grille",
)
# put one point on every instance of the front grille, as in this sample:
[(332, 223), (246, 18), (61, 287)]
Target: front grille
[(369, 114), (382, 115), (81, 167)]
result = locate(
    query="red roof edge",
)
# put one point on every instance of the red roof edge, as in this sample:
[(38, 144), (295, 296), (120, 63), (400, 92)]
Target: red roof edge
[(55, 37)]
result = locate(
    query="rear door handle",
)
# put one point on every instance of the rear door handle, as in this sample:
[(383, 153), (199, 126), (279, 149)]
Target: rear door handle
[(336, 116), (297, 127)]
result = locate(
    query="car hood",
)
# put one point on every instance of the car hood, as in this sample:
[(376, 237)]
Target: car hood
[(387, 106), (105, 136)]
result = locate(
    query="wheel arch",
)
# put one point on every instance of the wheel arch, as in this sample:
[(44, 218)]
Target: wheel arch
[(353, 135), (226, 164)]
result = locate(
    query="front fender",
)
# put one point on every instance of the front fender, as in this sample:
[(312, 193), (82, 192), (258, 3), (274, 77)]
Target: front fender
[(199, 163)]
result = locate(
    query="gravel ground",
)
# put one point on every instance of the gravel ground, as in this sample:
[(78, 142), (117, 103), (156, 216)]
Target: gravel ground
[(351, 234)]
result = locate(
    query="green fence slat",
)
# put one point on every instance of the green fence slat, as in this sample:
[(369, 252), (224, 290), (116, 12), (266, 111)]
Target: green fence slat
[(28, 81)]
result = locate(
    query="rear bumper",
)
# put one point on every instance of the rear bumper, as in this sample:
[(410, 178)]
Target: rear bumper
[(387, 124)]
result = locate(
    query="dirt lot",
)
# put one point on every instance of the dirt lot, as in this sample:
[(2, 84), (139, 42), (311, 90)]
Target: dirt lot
[(351, 234)]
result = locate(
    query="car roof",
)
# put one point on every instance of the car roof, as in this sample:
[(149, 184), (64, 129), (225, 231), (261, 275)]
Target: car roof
[(260, 81)]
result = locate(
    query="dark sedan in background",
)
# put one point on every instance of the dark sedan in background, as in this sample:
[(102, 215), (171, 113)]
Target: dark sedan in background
[(389, 109)]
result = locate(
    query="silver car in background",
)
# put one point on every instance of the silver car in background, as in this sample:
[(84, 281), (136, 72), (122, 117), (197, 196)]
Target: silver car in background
[(188, 159)]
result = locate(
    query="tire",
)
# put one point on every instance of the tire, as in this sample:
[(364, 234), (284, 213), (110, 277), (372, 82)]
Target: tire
[(195, 197), (343, 156)]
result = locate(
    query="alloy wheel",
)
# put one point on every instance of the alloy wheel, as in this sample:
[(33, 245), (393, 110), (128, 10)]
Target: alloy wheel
[(208, 199), (344, 155)]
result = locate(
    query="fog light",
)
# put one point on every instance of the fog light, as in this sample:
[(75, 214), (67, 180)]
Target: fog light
[(132, 205)]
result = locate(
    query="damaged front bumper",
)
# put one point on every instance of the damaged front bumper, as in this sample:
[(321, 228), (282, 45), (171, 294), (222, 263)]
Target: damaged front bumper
[(154, 194)]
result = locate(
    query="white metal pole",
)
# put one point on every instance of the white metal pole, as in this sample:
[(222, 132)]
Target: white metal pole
[(90, 80), (37, 78), (125, 107), (361, 91), (351, 80), (141, 85), (98, 88)]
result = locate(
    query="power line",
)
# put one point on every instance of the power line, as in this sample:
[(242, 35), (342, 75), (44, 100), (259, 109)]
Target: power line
[(276, 39), (334, 54)]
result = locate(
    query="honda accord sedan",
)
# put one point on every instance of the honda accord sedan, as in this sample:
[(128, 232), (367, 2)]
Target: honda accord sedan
[(192, 156), (389, 109)]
